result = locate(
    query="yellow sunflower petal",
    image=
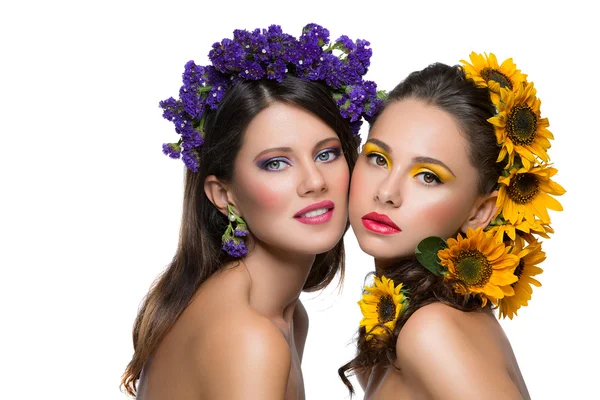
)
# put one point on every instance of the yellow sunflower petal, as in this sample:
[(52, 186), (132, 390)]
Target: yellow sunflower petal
[(381, 304)]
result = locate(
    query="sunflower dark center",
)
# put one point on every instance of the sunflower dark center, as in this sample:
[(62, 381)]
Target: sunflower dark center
[(522, 125), (386, 309), (473, 268), (490, 74), (524, 188), (518, 271)]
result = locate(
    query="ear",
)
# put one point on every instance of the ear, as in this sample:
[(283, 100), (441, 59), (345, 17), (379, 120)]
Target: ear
[(218, 193), (482, 213)]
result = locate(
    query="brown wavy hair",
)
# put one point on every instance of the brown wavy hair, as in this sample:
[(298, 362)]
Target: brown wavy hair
[(199, 255), (446, 88)]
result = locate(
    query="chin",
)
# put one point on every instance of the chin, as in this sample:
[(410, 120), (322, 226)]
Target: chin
[(317, 246), (381, 249), (321, 242)]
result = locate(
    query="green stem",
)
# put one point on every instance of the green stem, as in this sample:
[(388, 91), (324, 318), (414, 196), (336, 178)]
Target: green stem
[(202, 125)]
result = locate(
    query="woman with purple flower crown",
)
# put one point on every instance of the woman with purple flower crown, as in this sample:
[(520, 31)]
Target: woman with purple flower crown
[(448, 195), (268, 136)]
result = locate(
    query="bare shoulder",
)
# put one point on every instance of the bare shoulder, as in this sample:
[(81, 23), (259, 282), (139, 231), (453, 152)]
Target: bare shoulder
[(245, 356), (433, 321), (429, 331), (452, 354), (233, 351), (437, 326)]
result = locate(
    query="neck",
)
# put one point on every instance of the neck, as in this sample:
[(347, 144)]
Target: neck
[(381, 265), (277, 280)]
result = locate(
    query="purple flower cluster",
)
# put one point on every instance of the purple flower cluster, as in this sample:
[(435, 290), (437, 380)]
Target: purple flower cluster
[(240, 231), (270, 54), (235, 249)]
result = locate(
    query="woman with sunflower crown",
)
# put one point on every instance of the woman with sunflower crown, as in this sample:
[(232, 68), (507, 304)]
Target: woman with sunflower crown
[(448, 193), (268, 136)]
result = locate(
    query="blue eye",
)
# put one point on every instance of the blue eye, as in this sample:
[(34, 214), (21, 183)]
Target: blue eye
[(275, 164), (328, 155)]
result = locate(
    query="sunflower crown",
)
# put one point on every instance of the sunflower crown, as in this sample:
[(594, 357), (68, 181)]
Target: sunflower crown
[(525, 188), (499, 264)]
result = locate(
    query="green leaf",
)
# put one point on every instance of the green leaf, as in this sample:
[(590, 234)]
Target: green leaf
[(426, 253), (381, 95), (239, 221), (228, 234), (498, 221)]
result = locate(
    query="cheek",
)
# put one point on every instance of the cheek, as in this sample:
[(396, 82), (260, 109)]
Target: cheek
[(341, 180), (362, 192), (359, 187), (269, 198), (445, 215), (262, 194)]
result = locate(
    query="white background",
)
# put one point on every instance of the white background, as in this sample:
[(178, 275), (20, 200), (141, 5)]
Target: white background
[(90, 207)]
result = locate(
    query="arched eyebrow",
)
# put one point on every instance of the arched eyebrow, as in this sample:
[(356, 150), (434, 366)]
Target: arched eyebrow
[(273, 149), (415, 160), (289, 149), (429, 160), (381, 144), (329, 139)]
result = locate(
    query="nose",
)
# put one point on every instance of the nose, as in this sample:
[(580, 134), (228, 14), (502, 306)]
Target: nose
[(312, 181), (388, 191)]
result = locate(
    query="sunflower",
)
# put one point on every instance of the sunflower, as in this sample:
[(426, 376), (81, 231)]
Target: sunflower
[(525, 194), (381, 304), (485, 72), (499, 231), (529, 257), (519, 127), (478, 264), (544, 230), (500, 227)]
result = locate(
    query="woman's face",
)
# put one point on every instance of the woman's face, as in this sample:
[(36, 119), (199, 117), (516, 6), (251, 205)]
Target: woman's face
[(413, 179), (291, 181)]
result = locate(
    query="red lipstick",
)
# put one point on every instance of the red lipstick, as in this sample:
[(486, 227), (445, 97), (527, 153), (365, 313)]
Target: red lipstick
[(380, 223), (318, 213)]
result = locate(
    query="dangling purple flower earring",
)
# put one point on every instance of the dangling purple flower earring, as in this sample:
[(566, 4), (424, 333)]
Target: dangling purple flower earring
[(232, 239)]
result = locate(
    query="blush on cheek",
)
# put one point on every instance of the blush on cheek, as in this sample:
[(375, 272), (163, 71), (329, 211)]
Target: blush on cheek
[(342, 181), (359, 184), (355, 192), (445, 217), (265, 196)]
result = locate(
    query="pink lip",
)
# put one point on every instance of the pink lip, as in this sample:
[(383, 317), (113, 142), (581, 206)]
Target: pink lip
[(319, 219), (380, 223)]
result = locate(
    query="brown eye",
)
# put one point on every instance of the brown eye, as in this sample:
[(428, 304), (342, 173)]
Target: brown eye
[(429, 178), (377, 159)]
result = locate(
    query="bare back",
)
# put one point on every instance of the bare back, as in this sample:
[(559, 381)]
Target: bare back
[(444, 353), (221, 348)]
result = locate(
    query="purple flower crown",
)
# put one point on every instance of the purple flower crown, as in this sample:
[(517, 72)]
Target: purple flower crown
[(270, 54)]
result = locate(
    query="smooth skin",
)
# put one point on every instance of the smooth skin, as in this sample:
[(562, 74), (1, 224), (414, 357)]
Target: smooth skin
[(243, 334), (415, 169)]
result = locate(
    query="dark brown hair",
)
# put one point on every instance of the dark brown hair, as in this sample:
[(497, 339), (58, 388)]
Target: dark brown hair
[(446, 88), (199, 254)]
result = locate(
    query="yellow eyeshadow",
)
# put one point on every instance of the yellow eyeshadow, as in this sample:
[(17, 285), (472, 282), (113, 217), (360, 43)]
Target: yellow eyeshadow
[(441, 172), (369, 148)]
